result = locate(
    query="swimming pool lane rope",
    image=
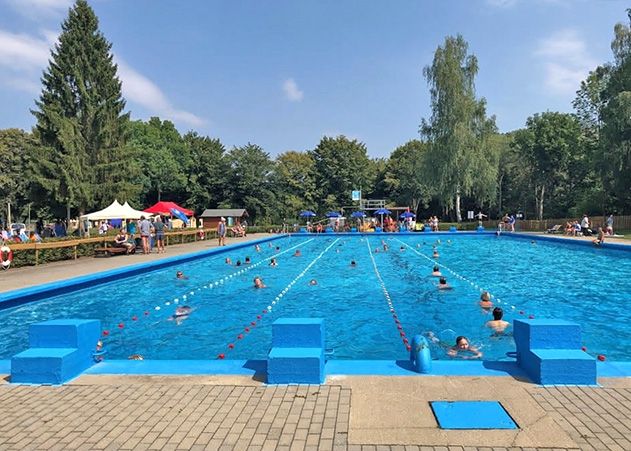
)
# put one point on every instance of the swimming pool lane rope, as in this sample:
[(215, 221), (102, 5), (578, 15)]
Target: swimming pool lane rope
[(209, 285), (458, 276), (279, 296), (386, 294)]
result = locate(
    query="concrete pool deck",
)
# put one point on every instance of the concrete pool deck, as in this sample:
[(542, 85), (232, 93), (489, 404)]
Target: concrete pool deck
[(239, 412), (28, 276), (348, 413)]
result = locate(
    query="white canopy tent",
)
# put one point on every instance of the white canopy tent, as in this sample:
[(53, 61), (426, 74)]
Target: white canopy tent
[(115, 211)]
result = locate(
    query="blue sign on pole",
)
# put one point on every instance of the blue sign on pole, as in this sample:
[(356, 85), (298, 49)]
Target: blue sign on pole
[(356, 195)]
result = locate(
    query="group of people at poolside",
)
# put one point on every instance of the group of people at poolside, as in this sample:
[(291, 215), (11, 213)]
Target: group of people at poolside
[(584, 228)]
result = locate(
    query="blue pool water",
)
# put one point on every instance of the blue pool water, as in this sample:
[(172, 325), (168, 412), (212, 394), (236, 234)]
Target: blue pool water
[(548, 280)]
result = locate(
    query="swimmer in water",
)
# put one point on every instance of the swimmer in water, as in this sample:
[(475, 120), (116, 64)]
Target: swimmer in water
[(353, 264), (497, 323), (443, 285), (182, 312), (436, 271), (258, 283), (297, 253), (247, 260), (464, 350), (313, 282), (485, 300), (401, 248), (257, 248), (277, 248), (435, 254), (376, 250), (135, 357), (228, 261), (180, 275), (238, 263), (272, 262)]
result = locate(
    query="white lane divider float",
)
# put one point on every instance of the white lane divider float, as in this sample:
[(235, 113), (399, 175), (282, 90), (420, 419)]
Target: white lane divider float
[(454, 273), (280, 295), (210, 284), (386, 294)]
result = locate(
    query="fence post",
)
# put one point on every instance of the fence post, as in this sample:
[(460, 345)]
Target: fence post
[(75, 251), (36, 255)]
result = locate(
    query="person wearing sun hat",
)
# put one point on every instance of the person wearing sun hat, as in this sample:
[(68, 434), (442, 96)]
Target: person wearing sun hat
[(485, 300), (221, 231)]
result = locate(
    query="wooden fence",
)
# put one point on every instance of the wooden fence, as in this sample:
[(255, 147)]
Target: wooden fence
[(171, 237), (533, 225)]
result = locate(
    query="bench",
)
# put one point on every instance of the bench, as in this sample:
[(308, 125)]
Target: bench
[(109, 251)]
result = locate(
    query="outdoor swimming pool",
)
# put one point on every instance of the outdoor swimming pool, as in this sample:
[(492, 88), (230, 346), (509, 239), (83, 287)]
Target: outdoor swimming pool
[(547, 280)]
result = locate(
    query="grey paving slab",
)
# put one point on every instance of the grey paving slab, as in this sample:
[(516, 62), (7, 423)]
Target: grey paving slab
[(187, 416)]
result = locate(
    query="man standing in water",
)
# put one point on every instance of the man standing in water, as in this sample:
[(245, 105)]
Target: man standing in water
[(221, 231)]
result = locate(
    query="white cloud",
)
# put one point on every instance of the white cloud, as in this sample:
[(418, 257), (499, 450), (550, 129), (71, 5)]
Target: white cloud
[(566, 61), (143, 91), (291, 90), (39, 9), (23, 57), (23, 52)]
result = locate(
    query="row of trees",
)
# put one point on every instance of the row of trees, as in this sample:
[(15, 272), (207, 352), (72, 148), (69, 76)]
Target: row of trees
[(84, 150)]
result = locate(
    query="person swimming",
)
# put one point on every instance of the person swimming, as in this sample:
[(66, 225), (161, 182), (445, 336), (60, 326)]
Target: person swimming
[(135, 357), (180, 275), (181, 313), (402, 248), (313, 282), (258, 283), (485, 300), (273, 262), (435, 254), (257, 248), (353, 264), (228, 261), (436, 271), (443, 285), (247, 260), (464, 350), (297, 253), (497, 323), (238, 263)]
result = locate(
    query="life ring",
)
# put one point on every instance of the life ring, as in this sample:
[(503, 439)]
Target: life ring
[(6, 257)]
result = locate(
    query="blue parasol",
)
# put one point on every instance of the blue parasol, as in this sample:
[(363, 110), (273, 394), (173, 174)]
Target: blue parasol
[(307, 214), (358, 214), (333, 214), (407, 214), (383, 211)]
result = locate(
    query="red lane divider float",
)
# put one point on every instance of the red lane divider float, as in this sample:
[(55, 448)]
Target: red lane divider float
[(278, 298), (395, 317), (121, 324), (600, 357)]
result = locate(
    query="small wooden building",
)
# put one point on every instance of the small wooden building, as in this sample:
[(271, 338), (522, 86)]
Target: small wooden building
[(211, 217)]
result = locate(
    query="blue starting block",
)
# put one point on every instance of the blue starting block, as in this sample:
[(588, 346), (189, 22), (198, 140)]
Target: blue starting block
[(550, 352), (453, 229), (59, 351), (297, 354), (480, 229)]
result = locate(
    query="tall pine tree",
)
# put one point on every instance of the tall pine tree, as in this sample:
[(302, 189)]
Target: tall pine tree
[(80, 119)]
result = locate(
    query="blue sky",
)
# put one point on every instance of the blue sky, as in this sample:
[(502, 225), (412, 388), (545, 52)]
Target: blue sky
[(282, 74)]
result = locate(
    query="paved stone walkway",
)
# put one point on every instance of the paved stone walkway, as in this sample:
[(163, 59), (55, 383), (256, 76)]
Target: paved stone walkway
[(237, 417)]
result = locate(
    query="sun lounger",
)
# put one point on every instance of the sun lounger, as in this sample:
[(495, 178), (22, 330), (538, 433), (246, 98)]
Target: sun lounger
[(555, 229)]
